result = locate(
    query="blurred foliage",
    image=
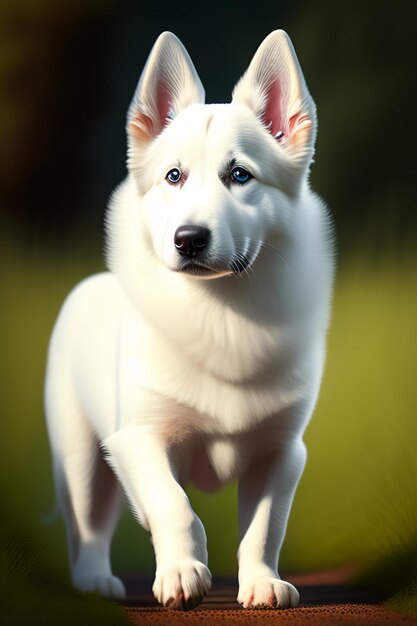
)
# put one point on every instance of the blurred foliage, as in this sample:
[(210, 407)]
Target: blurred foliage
[(31, 594), (49, 73), (358, 59)]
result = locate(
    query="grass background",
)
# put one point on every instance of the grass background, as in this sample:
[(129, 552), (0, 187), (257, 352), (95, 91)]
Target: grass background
[(355, 503)]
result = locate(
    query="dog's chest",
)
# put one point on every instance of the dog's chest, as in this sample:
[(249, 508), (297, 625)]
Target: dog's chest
[(150, 366)]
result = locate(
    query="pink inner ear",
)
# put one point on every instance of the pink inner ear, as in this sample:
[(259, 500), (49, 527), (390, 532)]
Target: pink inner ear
[(141, 126), (298, 122), (273, 116), (163, 103)]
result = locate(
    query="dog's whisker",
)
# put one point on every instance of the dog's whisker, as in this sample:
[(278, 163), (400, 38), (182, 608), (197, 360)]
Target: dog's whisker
[(244, 262), (268, 247)]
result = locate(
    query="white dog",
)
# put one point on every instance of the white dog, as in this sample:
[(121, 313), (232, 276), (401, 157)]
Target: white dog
[(198, 356)]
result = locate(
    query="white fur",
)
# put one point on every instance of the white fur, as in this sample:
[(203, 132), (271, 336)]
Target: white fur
[(172, 377)]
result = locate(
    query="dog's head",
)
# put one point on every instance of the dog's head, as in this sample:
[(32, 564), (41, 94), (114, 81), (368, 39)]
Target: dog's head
[(218, 182)]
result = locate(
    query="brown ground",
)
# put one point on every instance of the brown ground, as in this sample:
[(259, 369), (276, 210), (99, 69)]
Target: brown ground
[(325, 600)]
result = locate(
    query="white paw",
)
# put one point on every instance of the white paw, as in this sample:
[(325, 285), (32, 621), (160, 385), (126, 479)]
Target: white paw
[(108, 586), (268, 593), (182, 586)]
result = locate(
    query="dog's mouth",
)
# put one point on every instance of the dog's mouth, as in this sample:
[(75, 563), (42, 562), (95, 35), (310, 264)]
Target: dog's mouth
[(237, 266), (201, 269)]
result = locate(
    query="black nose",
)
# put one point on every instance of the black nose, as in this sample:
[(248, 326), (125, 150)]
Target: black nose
[(190, 240)]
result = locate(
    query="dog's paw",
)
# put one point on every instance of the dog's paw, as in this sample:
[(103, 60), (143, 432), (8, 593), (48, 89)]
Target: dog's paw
[(107, 586), (268, 593), (182, 586)]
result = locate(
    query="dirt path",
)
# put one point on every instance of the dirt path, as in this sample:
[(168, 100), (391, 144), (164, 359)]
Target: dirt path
[(325, 600)]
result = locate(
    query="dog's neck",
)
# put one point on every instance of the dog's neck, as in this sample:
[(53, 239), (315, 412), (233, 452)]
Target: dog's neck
[(231, 326)]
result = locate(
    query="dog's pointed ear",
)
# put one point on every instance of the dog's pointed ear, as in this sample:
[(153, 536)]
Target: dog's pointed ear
[(169, 83), (274, 88)]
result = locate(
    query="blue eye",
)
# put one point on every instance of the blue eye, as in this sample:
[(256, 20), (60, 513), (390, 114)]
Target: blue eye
[(173, 176), (240, 176)]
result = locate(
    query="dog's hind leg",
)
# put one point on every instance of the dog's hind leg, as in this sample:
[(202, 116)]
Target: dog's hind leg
[(89, 498)]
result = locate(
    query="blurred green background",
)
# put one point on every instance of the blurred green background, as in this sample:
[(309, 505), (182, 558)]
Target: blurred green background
[(67, 73)]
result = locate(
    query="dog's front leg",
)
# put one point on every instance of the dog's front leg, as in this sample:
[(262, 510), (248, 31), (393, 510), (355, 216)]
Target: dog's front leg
[(142, 464), (265, 495)]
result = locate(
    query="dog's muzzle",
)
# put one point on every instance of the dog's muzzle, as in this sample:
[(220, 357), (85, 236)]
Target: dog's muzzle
[(192, 241)]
